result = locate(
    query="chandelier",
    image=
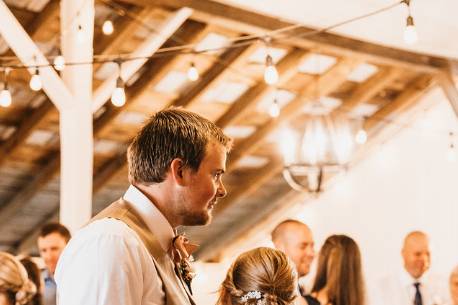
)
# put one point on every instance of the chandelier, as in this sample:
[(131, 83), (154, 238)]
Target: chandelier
[(324, 145)]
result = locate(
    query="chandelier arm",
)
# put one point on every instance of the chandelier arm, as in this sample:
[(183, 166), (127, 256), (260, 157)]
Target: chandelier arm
[(293, 183)]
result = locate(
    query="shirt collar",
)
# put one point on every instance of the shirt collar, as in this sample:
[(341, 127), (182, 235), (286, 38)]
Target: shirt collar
[(153, 218), (408, 280)]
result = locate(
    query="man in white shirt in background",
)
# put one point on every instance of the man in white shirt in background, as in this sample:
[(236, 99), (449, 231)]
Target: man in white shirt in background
[(414, 285), (295, 239), (129, 254)]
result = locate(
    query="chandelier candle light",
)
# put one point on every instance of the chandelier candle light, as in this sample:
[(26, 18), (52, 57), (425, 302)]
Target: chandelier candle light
[(325, 146)]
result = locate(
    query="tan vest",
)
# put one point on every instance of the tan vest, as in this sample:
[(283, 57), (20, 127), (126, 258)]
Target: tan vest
[(176, 292)]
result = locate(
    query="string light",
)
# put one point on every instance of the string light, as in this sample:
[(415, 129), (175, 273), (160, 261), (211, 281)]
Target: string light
[(193, 73), (5, 95), (59, 62), (361, 136), (118, 97), (410, 32), (274, 109), (270, 72), (35, 82), (107, 27)]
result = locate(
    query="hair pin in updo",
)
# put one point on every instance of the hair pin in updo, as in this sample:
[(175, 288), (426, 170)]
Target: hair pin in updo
[(257, 295)]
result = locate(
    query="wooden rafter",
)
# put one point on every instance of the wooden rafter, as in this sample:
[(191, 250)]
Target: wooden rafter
[(252, 22), (212, 75), (287, 68), (327, 83), (369, 89), (405, 100)]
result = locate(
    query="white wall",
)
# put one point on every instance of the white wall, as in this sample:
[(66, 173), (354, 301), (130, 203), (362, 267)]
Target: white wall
[(405, 184)]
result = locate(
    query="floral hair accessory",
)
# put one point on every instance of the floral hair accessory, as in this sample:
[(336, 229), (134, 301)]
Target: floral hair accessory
[(257, 295)]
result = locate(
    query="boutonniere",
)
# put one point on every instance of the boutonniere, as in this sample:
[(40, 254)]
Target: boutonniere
[(182, 256)]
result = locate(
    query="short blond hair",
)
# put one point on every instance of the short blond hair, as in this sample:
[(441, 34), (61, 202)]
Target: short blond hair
[(266, 270), (14, 280)]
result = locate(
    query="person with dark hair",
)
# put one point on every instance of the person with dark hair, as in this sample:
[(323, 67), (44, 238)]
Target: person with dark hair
[(129, 253), (51, 242), (339, 277), (15, 286), (35, 276), (262, 276)]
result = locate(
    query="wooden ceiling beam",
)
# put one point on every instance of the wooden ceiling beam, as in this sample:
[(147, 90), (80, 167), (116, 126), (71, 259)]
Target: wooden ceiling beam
[(212, 75), (252, 183), (326, 83), (249, 21), (404, 101), (369, 89), (287, 68)]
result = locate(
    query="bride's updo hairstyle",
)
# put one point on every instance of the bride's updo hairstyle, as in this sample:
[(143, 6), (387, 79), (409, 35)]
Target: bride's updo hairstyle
[(14, 282), (262, 276)]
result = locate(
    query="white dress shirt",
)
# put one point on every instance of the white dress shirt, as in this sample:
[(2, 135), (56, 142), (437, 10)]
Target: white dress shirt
[(106, 263), (400, 290)]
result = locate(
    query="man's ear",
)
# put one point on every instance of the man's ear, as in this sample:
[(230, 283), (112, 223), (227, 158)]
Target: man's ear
[(177, 169)]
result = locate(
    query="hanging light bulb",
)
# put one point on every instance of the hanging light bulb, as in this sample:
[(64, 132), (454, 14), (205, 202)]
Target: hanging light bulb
[(274, 109), (410, 33), (107, 27), (193, 73), (118, 97), (35, 82), (270, 72), (80, 34), (5, 98), (361, 136), (5, 95), (59, 62)]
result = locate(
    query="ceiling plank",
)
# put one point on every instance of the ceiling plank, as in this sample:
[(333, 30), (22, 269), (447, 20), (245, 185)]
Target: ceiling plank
[(147, 48), (21, 199), (249, 21), (252, 183), (369, 89), (326, 83), (287, 68), (212, 75), (405, 100)]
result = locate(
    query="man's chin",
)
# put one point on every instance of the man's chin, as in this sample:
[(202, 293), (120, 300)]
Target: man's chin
[(199, 220)]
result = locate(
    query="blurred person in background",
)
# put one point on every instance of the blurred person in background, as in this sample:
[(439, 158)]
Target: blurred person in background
[(15, 286), (339, 278)]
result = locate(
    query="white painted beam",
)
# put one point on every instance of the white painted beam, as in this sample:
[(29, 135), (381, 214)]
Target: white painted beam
[(76, 120), (29, 54), (146, 49)]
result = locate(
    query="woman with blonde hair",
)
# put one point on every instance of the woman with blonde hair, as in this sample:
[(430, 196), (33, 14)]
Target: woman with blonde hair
[(262, 276), (15, 286), (339, 279)]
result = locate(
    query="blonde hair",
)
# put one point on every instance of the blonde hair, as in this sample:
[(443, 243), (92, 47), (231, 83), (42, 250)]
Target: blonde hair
[(265, 270), (14, 280)]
